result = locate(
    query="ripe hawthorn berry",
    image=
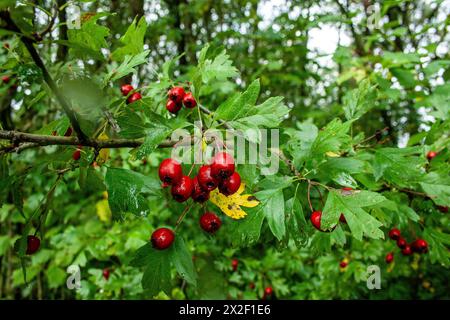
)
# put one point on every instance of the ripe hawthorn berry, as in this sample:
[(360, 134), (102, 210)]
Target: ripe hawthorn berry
[(234, 264), (126, 89), (230, 185), (162, 238), (389, 257), (401, 243), (170, 171), (33, 244), (268, 292), (251, 285), (6, 79), (315, 218), (343, 264), (431, 155), (199, 194), (106, 273), (134, 97), (210, 222), (189, 101), (222, 166), (420, 246), (205, 178), (182, 190), (394, 234), (76, 155), (443, 209), (172, 106), (407, 251), (176, 94)]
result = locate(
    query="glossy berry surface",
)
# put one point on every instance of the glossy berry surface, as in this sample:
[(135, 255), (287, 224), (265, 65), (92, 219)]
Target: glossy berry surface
[(210, 222), (315, 218), (33, 244), (182, 190), (106, 273), (126, 89), (407, 251), (230, 185), (268, 291), (134, 97), (431, 155), (176, 94), (189, 101), (401, 243), (172, 106), (206, 179), (162, 238), (394, 234), (199, 194), (389, 257), (170, 171), (222, 166), (420, 246)]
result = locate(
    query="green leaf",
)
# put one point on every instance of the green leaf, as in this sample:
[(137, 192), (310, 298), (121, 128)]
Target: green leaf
[(156, 276), (132, 40), (152, 140), (220, 69), (359, 101), (331, 137), (272, 205), (246, 232), (127, 66), (296, 224), (142, 257), (438, 192), (182, 260)]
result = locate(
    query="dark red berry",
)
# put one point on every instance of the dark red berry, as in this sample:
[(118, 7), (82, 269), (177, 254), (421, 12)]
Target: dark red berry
[(176, 94), (251, 285), (206, 179), (315, 218), (76, 155), (126, 89), (68, 132), (33, 244), (162, 238), (234, 264), (342, 218), (210, 222), (172, 106), (182, 190), (230, 185), (407, 251), (420, 246), (268, 291), (389, 257), (6, 79), (106, 274), (443, 209), (222, 166), (134, 97), (394, 234), (189, 101), (170, 171), (343, 264), (199, 194), (431, 155), (401, 243)]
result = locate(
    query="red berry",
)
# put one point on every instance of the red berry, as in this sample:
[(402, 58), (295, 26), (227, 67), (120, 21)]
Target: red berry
[(134, 97), (401, 243), (407, 251), (206, 179), (106, 274), (162, 238), (347, 189), (6, 79), (126, 89), (33, 244), (176, 94), (230, 185), (268, 291), (420, 246), (389, 257), (342, 218), (68, 132), (343, 264), (443, 209), (394, 234), (189, 101), (170, 171), (251, 285), (172, 106), (210, 222), (431, 155), (315, 218), (76, 155), (234, 264), (182, 190), (222, 165), (199, 194)]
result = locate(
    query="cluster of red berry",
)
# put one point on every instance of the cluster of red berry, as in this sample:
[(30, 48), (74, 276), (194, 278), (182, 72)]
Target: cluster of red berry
[(126, 89), (177, 98), (418, 246), (219, 174)]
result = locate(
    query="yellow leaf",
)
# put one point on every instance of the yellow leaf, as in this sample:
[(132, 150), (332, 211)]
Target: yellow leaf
[(103, 210), (103, 154), (231, 205), (332, 154)]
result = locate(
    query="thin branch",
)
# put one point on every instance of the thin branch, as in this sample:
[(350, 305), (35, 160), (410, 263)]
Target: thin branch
[(309, 196)]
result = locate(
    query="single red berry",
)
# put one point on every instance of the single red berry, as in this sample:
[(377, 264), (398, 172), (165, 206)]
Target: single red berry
[(126, 89), (342, 218), (170, 171), (33, 244), (251, 285), (234, 264), (389, 257), (176, 94), (210, 222), (394, 234), (6, 79), (343, 264), (182, 190), (401, 243), (199, 194), (189, 101), (172, 106), (106, 274), (407, 251), (206, 179), (230, 185), (268, 291), (222, 166), (443, 209), (315, 218), (134, 97), (347, 189), (68, 132), (162, 238), (431, 155), (420, 246), (76, 155)]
